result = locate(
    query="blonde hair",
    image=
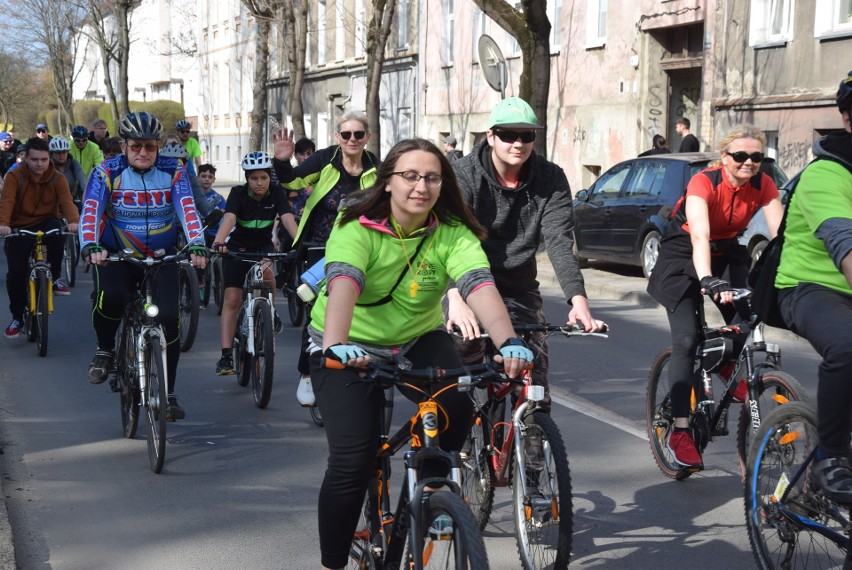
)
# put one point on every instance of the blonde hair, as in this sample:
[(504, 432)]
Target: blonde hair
[(741, 132), (359, 116)]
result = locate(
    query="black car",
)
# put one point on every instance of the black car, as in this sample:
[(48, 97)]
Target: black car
[(621, 216)]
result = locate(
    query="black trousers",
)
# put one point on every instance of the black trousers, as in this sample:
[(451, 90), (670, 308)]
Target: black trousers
[(823, 316), (18, 249), (351, 412), (114, 287)]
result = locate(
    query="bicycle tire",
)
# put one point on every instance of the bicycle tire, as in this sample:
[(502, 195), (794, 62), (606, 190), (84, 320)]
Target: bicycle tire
[(242, 362), (128, 379), (70, 260), (477, 473), (658, 417), (361, 552), (205, 291), (316, 416), (295, 306), (30, 324), (42, 313), (263, 360), (543, 509), (188, 305), (775, 388), (156, 402), (462, 549), (783, 443), (218, 284)]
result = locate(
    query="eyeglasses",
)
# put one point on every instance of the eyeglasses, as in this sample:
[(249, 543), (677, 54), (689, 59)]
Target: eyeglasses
[(149, 147), (184, 131), (741, 156), (345, 135), (511, 136), (412, 178)]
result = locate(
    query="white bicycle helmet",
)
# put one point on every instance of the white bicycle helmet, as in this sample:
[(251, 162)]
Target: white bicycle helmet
[(59, 144), (174, 150), (257, 161)]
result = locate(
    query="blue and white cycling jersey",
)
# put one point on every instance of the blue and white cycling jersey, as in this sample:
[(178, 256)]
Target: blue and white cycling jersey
[(125, 208)]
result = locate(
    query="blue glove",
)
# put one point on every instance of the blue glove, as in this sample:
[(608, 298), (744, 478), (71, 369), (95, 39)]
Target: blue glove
[(344, 352), (516, 348)]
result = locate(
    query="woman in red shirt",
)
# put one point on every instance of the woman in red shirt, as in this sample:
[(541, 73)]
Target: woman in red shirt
[(700, 255)]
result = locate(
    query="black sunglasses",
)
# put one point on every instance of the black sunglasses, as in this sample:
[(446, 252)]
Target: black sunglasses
[(511, 136), (41, 131), (184, 131), (741, 156), (345, 135)]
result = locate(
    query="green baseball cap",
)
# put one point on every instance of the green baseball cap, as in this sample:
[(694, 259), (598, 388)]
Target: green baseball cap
[(513, 113)]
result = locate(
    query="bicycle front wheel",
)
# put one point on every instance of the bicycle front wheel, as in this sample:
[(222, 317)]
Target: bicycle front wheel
[(542, 496), (477, 473), (71, 258), (205, 290), (42, 312), (188, 305), (800, 528), (263, 362), (156, 403), (128, 381), (775, 388), (452, 541), (218, 283)]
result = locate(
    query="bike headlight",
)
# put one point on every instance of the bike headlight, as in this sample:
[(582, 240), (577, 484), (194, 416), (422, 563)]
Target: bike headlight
[(152, 310)]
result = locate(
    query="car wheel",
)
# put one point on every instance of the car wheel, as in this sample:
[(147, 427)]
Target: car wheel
[(757, 251), (650, 252)]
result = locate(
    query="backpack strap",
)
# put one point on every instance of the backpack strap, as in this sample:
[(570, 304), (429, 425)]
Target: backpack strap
[(387, 298)]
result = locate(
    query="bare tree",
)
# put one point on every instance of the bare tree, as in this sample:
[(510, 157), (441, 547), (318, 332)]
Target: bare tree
[(13, 74), (378, 31), (295, 26), (531, 29)]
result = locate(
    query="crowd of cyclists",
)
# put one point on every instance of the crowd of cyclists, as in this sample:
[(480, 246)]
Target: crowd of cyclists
[(416, 244)]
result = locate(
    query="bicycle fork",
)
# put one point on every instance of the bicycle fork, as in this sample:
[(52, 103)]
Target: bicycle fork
[(40, 267)]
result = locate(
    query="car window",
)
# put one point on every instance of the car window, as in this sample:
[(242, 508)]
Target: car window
[(647, 180), (610, 183)]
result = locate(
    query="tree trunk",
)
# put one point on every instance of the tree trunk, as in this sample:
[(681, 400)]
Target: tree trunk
[(261, 74), (377, 37), (295, 41), (122, 24)]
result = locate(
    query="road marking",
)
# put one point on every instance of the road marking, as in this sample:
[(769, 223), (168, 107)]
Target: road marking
[(573, 402)]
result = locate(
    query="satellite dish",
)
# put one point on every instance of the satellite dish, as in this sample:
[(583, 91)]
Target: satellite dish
[(493, 64)]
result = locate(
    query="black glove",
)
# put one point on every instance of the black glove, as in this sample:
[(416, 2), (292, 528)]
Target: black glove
[(213, 218), (91, 248), (219, 247), (713, 285), (199, 250)]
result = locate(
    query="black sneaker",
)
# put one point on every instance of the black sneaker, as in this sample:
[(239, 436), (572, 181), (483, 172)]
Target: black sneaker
[(100, 366), (176, 412), (834, 476), (225, 366)]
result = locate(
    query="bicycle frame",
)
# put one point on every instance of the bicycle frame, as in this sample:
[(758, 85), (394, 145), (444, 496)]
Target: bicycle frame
[(38, 264), (253, 287)]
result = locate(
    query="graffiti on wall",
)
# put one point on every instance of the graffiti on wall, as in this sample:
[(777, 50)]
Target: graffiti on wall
[(687, 97), (656, 109), (579, 135), (793, 156)]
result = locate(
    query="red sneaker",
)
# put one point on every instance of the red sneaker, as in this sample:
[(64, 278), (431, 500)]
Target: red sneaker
[(684, 451)]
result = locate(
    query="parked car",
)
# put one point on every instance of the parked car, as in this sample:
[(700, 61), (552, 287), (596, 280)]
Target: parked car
[(621, 217)]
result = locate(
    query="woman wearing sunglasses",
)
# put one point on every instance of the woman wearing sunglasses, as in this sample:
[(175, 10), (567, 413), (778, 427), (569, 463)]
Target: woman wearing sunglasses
[(335, 173), (700, 255)]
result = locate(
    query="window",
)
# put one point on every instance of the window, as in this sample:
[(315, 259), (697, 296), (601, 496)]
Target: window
[(771, 22), (360, 37), (402, 24), (554, 14), (596, 23), (478, 19), (771, 149), (339, 32), (648, 180), (449, 32), (609, 185), (833, 18), (322, 130), (321, 32)]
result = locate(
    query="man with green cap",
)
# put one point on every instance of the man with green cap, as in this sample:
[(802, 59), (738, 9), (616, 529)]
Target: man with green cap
[(521, 198)]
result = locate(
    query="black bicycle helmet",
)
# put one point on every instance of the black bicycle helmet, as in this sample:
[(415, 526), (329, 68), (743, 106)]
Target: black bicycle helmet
[(844, 94), (140, 125), (79, 132)]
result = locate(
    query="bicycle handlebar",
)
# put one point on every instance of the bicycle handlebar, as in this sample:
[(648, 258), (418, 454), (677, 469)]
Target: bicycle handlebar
[(397, 373), (20, 233), (739, 294), (257, 255), (127, 255), (567, 330)]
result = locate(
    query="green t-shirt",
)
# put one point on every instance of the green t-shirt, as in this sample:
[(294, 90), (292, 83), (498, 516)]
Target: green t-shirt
[(380, 256), (193, 148), (823, 192)]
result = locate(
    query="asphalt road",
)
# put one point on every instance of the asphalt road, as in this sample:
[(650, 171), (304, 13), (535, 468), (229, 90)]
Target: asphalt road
[(239, 485)]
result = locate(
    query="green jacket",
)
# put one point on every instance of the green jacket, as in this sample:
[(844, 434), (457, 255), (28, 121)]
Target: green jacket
[(89, 157), (322, 171)]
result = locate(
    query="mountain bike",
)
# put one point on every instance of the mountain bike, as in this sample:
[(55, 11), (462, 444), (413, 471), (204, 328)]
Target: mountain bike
[(253, 350), (140, 362), (718, 361), (71, 257), (528, 452), (39, 304), (790, 521), (388, 539), (189, 304)]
